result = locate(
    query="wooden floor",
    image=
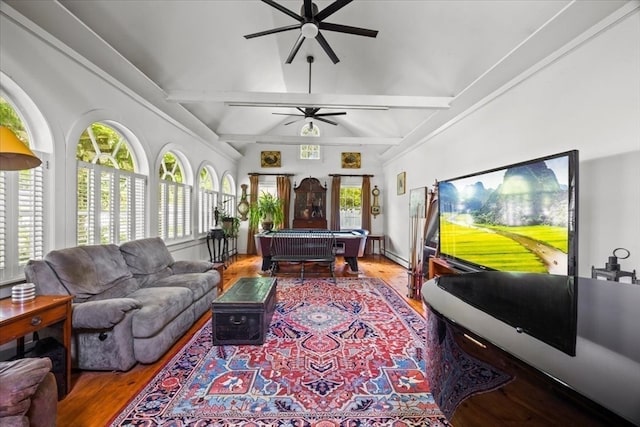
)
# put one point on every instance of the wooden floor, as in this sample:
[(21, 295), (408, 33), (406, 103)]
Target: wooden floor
[(96, 397)]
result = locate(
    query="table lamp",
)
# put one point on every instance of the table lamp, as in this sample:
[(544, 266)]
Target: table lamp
[(14, 155)]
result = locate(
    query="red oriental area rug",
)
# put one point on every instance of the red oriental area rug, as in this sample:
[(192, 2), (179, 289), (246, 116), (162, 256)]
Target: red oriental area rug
[(349, 353)]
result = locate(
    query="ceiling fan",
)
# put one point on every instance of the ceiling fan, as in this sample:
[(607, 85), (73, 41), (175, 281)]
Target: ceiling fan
[(311, 113), (311, 21)]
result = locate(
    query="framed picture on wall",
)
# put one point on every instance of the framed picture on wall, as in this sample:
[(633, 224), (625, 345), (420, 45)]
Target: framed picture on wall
[(351, 160), (270, 159), (402, 183)]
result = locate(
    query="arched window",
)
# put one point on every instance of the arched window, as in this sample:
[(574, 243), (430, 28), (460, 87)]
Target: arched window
[(21, 205), (207, 200), (174, 201), (111, 195)]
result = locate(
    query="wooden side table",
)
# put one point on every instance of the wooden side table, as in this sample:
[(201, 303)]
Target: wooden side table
[(18, 320), (372, 239), (219, 267)]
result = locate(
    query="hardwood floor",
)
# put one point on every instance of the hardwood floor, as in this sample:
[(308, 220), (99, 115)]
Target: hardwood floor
[(96, 397)]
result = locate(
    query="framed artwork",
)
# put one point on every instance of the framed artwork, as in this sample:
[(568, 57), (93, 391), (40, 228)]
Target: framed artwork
[(270, 159), (351, 160), (402, 183), (418, 202)]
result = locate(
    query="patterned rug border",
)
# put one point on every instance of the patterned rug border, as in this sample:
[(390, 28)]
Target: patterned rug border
[(404, 312)]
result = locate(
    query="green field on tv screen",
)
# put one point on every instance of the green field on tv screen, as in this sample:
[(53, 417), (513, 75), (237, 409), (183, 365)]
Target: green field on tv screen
[(537, 249)]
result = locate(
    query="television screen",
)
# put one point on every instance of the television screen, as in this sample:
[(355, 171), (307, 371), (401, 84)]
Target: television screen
[(518, 218)]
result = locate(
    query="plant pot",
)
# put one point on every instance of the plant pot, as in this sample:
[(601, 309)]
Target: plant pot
[(227, 225), (267, 225)]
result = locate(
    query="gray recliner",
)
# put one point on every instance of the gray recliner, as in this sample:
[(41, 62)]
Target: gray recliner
[(28, 393)]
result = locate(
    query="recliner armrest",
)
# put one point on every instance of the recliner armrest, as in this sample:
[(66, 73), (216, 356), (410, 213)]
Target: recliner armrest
[(19, 380), (102, 314)]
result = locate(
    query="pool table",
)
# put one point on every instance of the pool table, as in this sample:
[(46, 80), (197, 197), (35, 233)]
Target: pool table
[(349, 243)]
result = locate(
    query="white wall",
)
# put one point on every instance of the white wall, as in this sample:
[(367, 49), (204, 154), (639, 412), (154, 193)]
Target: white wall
[(588, 99), (72, 94)]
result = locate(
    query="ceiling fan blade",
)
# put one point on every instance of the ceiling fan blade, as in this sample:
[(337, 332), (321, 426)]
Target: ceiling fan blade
[(331, 9), (341, 113), (295, 49), (293, 121), (273, 31), (287, 114), (325, 45), (325, 120), (348, 29), (304, 112), (308, 9), (284, 10)]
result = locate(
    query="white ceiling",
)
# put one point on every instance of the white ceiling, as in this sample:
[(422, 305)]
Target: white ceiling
[(191, 54)]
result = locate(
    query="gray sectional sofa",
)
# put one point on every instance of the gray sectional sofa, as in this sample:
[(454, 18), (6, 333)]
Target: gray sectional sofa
[(131, 303)]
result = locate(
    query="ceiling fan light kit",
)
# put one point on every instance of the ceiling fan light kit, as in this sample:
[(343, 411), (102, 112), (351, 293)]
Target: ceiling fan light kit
[(311, 21)]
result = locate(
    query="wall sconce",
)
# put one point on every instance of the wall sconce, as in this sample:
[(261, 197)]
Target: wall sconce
[(14, 155), (612, 271), (375, 206)]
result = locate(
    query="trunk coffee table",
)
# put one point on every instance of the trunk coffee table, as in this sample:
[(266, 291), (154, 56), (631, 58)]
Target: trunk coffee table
[(242, 314)]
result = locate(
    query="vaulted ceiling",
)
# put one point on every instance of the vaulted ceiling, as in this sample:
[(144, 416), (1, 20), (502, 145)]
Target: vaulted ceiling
[(429, 64)]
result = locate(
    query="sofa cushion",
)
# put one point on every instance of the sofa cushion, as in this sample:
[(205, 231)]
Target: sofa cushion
[(92, 272), (148, 259), (198, 283), (47, 283), (159, 307)]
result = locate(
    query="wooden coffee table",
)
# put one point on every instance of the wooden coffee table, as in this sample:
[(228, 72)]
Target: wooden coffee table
[(242, 314)]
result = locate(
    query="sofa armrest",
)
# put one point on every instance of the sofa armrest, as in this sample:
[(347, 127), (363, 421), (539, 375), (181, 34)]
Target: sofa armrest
[(182, 267), (102, 314)]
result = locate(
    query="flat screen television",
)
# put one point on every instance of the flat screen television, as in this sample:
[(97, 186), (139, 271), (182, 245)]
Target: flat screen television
[(518, 218)]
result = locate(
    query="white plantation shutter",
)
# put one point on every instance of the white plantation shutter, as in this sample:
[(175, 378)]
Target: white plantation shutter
[(21, 220), (114, 211), (139, 203), (163, 206), (3, 221), (107, 204), (180, 214), (86, 209), (125, 213), (171, 211), (174, 207), (206, 206), (187, 210), (30, 215)]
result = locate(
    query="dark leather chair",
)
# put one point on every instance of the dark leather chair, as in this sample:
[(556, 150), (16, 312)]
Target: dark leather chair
[(28, 393)]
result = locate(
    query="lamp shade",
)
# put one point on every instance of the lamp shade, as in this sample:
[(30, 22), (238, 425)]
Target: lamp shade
[(14, 155)]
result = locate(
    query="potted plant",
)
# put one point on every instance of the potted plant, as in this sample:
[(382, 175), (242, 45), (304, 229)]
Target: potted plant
[(268, 210), (230, 224)]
